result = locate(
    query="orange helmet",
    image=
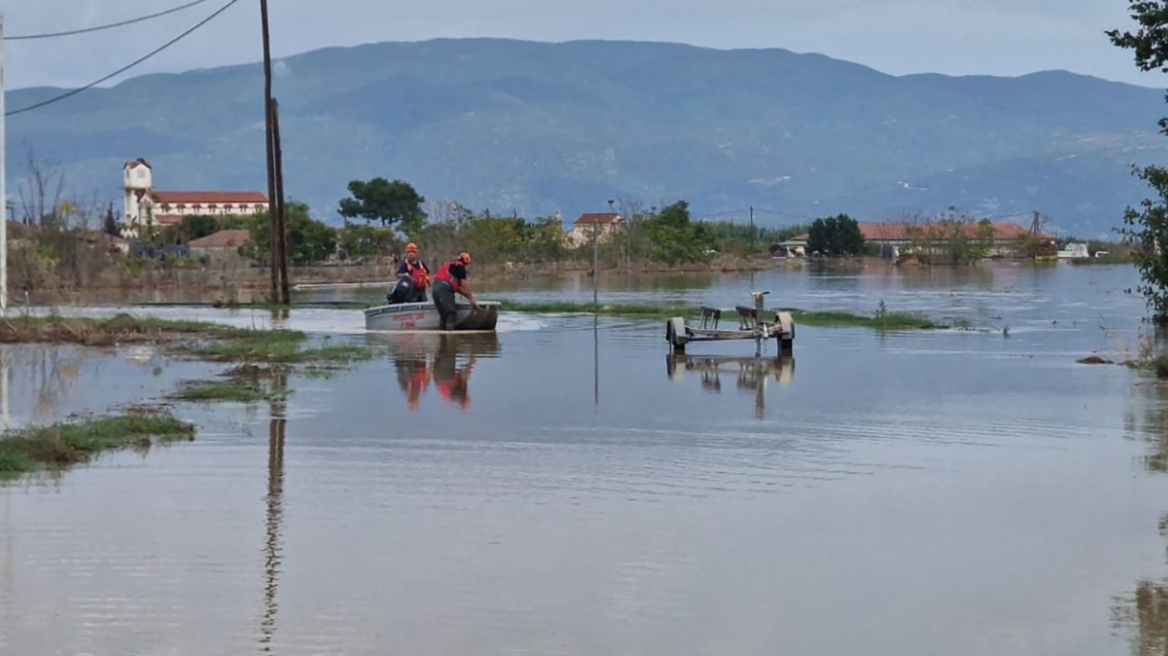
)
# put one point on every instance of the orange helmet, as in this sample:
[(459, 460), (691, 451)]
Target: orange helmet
[(411, 248), (464, 257)]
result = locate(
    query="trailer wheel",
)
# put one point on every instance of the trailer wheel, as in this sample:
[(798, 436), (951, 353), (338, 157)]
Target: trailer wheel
[(675, 334)]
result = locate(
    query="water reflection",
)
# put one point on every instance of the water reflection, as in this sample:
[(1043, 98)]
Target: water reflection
[(750, 374), (420, 359), (275, 507), (4, 389), (1145, 611)]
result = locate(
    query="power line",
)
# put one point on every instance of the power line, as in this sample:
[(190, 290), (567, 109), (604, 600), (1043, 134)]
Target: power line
[(125, 68), (98, 28)]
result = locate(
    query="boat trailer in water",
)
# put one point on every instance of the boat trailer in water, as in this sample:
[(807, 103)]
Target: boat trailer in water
[(751, 325)]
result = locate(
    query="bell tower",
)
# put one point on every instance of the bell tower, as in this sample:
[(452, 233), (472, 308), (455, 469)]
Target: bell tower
[(137, 183)]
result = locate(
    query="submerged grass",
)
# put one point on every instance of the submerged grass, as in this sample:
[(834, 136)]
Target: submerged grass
[(881, 320), (71, 442), (204, 340), (236, 389), (119, 329)]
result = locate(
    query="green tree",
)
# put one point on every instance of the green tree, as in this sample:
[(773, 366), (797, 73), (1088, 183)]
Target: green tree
[(674, 238), (835, 235), (1147, 226), (190, 228), (395, 202), (361, 241), (309, 240), (109, 224)]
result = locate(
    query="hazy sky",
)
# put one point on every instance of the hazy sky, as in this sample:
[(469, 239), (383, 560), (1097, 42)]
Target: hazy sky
[(997, 37)]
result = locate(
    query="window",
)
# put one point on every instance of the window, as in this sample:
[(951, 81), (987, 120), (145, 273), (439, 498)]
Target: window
[(141, 173)]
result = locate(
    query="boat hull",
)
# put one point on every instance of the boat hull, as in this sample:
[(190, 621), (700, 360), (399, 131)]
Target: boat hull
[(424, 316)]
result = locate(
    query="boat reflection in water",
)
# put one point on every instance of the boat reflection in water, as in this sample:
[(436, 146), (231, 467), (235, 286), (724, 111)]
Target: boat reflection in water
[(444, 360), (750, 373)]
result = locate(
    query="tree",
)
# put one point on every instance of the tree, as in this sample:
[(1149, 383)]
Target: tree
[(835, 235), (391, 203), (309, 240), (190, 228), (109, 223), (358, 241), (42, 190), (673, 237), (1147, 227)]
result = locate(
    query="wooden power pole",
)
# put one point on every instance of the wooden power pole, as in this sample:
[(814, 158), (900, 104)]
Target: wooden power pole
[(273, 233), (281, 223)]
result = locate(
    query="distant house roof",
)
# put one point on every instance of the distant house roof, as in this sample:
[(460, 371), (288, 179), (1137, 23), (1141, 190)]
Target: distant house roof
[(175, 197), (135, 163), (167, 219), (902, 231), (604, 218), (222, 239)]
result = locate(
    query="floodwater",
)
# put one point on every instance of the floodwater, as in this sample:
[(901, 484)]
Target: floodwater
[(566, 487)]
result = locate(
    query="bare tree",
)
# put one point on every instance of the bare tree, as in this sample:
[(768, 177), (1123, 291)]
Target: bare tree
[(41, 191)]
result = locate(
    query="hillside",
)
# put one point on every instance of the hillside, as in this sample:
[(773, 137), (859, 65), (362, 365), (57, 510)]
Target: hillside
[(539, 127)]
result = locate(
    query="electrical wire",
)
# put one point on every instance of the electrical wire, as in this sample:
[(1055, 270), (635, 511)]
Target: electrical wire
[(123, 69), (98, 28)]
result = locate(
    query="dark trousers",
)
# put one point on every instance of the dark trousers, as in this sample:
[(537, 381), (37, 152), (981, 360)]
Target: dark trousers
[(444, 302)]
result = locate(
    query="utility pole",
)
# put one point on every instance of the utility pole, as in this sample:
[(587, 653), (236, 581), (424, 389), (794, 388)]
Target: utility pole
[(3, 182), (281, 222), (273, 234), (752, 230)]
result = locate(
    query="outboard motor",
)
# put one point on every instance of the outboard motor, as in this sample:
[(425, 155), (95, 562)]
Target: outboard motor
[(401, 291)]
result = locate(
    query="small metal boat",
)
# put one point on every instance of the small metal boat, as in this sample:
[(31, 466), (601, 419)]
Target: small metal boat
[(424, 316)]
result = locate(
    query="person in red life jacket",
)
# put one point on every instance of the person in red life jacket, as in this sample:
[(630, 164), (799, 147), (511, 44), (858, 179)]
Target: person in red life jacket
[(451, 278), (417, 272), (451, 381)]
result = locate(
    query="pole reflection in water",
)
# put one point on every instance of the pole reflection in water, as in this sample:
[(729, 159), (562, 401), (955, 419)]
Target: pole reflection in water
[(420, 359), (751, 373), (275, 507), (279, 318), (4, 387), (8, 589), (596, 359)]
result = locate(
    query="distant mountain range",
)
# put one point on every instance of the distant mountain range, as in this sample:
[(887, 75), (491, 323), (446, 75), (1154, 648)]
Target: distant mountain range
[(540, 127)]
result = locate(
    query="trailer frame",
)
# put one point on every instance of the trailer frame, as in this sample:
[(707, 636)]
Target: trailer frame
[(751, 325)]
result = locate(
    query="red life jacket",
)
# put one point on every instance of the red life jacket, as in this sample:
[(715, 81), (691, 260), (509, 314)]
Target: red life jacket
[(445, 276), (418, 272)]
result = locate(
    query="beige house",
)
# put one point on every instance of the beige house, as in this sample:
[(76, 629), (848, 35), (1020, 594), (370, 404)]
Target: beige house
[(600, 224), (221, 248)]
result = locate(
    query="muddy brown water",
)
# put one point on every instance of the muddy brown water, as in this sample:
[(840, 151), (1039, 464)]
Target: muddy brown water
[(565, 487)]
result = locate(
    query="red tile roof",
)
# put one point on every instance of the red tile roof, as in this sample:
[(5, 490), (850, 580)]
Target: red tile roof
[(222, 239), (901, 231), (175, 197), (602, 218), (167, 219)]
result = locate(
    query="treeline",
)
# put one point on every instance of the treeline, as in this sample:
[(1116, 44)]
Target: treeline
[(380, 216)]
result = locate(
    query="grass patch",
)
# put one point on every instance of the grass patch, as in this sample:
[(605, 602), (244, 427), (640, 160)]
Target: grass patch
[(71, 442), (885, 321), (238, 390), (119, 329), (881, 319), (276, 347)]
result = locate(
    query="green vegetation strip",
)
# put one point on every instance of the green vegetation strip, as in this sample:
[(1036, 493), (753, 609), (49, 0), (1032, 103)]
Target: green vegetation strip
[(878, 320), (203, 340), (71, 442)]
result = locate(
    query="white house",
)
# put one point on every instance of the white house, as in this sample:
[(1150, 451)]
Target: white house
[(143, 205), (602, 224)]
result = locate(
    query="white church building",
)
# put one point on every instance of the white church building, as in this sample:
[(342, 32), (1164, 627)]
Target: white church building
[(145, 206)]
